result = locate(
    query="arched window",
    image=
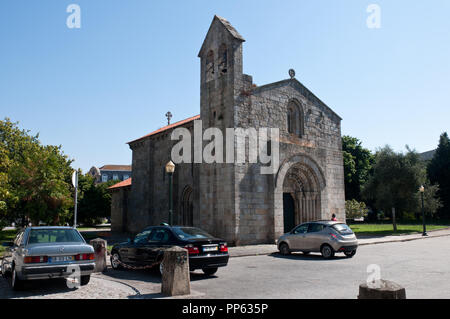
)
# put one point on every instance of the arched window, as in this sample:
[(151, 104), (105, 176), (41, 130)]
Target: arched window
[(187, 207), (210, 66), (223, 59), (295, 119)]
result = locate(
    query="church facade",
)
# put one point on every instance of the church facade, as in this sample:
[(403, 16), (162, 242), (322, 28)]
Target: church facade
[(235, 201)]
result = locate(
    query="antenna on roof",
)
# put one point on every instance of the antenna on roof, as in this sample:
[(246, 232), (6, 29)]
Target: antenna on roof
[(169, 116)]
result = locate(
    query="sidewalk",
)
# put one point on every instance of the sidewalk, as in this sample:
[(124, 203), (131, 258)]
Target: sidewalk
[(256, 250)]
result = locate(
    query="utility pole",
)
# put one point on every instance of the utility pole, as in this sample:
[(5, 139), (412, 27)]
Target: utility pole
[(75, 184)]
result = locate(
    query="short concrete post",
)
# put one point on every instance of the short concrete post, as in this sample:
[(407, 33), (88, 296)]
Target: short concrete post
[(382, 289), (175, 276), (100, 250)]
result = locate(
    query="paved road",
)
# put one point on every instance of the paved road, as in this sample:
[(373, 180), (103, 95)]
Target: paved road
[(420, 265)]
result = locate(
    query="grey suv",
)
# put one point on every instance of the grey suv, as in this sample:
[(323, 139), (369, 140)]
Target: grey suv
[(326, 237)]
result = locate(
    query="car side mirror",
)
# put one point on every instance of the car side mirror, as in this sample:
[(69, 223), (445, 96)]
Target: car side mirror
[(8, 244), (129, 240)]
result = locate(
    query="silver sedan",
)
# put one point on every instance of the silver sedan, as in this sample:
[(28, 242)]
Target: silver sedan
[(326, 237), (48, 252)]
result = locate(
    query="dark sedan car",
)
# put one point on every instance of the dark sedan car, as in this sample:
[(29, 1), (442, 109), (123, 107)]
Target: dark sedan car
[(205, 251)]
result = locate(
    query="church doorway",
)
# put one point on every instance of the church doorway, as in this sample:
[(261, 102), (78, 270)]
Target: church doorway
[(301, 196), (187, 207)]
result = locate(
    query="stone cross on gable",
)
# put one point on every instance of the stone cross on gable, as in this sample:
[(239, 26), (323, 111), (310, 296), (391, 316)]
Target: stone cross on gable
[(169, 116)]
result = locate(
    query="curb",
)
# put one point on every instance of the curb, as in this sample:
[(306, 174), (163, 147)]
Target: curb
[(403, 240)]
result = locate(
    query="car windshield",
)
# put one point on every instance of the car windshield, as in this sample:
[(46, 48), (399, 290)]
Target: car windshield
[(191, 233), (343, 229), (44, 236)]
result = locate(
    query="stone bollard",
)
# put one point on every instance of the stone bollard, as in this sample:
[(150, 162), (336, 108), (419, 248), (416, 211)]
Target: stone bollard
[(100, 253), (382, 289), (175, 276)]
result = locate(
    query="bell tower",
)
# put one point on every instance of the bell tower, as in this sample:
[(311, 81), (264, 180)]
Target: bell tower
[(221, 74), (220, 88)]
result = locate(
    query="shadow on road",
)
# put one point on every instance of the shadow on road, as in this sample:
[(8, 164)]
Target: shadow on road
[(34, 288), (310, 257), (148, 275)]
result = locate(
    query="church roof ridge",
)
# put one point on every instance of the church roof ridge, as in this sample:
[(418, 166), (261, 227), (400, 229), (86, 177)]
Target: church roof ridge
[(298, 83), (168, 127)]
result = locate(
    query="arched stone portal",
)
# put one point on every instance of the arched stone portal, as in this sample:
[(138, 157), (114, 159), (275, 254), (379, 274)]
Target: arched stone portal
[(298, 194)]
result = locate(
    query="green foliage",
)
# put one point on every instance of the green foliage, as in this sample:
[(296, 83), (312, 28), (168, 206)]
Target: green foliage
[(409, 217), (431, 200), (34, 179), (395, 183), (355, 209), (358, 163), (94, 201), (439, 174)]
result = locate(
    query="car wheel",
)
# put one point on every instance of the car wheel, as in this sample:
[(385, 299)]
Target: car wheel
[(284, 249), (85, 280), (327, 251), (115, 261), (209, 271), (350, 254), (16, 283)]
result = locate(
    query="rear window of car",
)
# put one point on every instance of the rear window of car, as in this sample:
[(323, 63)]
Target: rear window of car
[(191, 233), (44, 236), (343, 229)]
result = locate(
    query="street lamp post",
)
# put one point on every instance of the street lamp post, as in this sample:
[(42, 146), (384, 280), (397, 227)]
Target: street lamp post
[(170, 168), (422, 190)]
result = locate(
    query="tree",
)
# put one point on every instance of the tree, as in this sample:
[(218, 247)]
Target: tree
[(431, 200), (34, 179), (355, 209), (94, 200), (358, 163), (395, 183), (439, 174)]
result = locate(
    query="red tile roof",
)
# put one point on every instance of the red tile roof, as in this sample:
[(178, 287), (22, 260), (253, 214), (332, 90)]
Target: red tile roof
[(168, 127), (116, 167), (124, 183)]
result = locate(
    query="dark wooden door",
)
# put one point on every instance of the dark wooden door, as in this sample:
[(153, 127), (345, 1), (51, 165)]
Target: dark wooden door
[(288, 212)]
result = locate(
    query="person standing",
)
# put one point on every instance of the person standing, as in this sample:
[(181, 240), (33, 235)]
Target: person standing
[(333, 218)]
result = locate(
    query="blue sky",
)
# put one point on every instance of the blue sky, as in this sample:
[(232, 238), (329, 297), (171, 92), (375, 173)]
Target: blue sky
[(94, 89)]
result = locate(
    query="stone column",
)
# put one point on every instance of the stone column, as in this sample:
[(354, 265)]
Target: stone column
[(175, 276), (100, 253), (382, 289)]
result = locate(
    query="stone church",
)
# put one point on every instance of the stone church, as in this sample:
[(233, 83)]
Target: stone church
[(235, 201)]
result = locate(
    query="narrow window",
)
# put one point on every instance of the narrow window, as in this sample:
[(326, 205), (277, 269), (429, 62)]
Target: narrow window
[(223, 59), (290, 120), (295, 119), (210, 66)]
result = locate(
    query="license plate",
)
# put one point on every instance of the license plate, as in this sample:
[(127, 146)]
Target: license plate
[(57, 259), (210, 248)]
